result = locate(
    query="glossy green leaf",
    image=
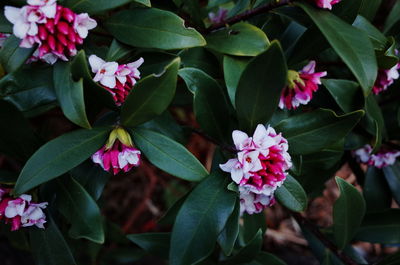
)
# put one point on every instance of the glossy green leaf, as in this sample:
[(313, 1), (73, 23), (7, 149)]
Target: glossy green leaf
[(348, 212), (70, 95), (292, 195), (228, 236), (153, 28), (346, 93), (154, 243), (94, 6), (392, 175), (376, 190), (374, 121), (58, 156), (151, 96), (260, 87), (393, 17), (311, 132), (207, 208), (12, 57), (382, 227), (49, 246), (351, 44), (210, 105), (377, 38), (241, 39), (369, 8), (169, 155), (81, 211), (251, 224), (249, 252), (117, 51), (233, 69), (201, 59), (266, 258)]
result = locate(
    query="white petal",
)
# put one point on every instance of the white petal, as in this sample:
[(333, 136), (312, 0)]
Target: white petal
[(49, 10), (12, 14), (136, 63), (239, 138), (108, 81), (229, 165), (110, 68), (21, 29), (259, 133), (82, 31), (95, 63)]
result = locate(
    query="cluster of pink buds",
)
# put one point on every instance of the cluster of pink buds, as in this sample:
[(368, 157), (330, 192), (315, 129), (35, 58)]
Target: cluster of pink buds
[(386, 78), (259, 168), (219, 16), (301, 86), (117, 79), (384, 157), (326, 3), (21, 212), (56, 30), (118, 153)]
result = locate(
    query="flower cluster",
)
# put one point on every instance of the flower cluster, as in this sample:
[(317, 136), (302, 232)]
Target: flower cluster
[(301, 86), (385, 156), (21, 211), (386, 78), (218, 17), (118, 153), (54, 28), (326, 3), (117, 79), (259, 168)]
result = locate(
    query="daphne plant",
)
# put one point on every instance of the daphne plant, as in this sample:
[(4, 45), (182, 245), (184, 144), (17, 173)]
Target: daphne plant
[(193, 132)]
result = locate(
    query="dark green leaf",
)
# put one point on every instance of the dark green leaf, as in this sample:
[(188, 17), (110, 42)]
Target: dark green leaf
[(58, 156), (12, 57), (228, 236), (351, 44), (249, 252), (374, 121), (154, 243), (117, 51), (169, 155), (251, 224), (292, 195), (376, 190), (346, 93), (200, 58), (94, 6), (348, 212), (70, 95), (233, 69), (241, 39), (369, 8), (392, 175), (260, 87), (153, 28), (377, 38), (81, 210), (151, 96), (207, 208), (311, 132), (393, 17), (8, 177), (390, 260)]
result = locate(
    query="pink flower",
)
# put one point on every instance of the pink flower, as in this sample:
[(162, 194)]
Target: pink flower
[(218, 17), (34, 215), (385, 79), (117, 79), (260, 166), (118, 153), (326, 3), (384, 157), (55, 29), (301, 86)]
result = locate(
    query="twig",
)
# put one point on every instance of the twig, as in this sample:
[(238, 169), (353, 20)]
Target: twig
[(250, 13), (210, 139), (324, 240)]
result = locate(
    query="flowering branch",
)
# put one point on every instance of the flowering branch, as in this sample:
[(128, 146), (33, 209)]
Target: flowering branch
[(250, 13), (324, 240)]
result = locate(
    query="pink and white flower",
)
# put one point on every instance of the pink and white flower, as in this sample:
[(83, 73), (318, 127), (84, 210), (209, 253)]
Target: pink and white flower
[(301, 87), (55, 29), (326, 3), (384, 157), (34, 215), (219, 16), (116, 79), (118, 154), (259, 167), (386, 78)]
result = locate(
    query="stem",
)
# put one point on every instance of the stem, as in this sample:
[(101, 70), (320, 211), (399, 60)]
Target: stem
[(210, 139), (324, 240), (250, 13)]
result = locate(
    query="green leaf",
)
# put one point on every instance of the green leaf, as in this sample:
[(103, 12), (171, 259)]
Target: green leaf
[(233, 69), (292, 195), (228, 236), (12, 57), (346, 93), (376, 190), (210, 106), (201, 59), (266, 258), (351, 44), (8, 177), (241, 39), (382, 227), (392, 175), (150, 96), (249, 252), (169, 155), (94, 6), (311, 132), (207, 208), (369, 8), (348, 212), (81, 211), (117, 51), (58, 156), (390, 260), (70, 95), (374, 121), (251, 224), (153, 28), (260, 87), (393, 17), (49, 246), (154, 243), (377, 38)]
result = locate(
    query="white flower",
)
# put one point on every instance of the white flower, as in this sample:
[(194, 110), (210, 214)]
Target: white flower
[(83, 23), (105, 71)]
